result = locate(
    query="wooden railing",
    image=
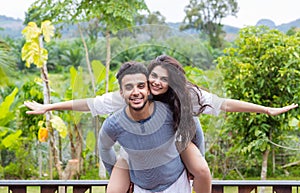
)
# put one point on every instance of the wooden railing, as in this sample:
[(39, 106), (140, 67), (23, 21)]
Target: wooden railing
[(247, 186), (82, 186)]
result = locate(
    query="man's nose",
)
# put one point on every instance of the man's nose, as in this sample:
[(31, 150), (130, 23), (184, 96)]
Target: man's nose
[(135, 90)]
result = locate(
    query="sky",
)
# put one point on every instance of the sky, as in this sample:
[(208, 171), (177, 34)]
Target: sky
[(250, 11)]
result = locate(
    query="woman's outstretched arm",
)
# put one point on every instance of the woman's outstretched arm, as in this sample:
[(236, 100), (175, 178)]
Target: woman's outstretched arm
[(76, 105), (100, 105), (232, 105)]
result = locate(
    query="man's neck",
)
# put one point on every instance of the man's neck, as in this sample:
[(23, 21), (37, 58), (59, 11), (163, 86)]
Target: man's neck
[(142, 114)]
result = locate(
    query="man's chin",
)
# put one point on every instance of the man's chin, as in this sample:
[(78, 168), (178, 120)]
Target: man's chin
[(138, 107)]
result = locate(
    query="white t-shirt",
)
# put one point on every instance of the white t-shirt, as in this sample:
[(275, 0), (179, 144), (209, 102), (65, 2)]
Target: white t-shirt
[(206, 98), (113, 101)]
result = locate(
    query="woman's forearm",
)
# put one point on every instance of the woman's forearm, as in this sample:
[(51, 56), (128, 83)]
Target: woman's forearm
[(75, 105), (231, 105)]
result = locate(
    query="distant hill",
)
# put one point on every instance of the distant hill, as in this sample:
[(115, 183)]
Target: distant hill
[(283, 27), (10, 27), (13, 27)]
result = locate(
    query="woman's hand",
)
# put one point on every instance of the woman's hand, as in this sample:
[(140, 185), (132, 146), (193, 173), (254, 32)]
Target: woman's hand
[(277, 111), (130, 190), (36, 108)]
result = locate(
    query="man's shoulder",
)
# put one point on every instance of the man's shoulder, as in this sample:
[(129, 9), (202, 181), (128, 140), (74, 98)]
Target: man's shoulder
[(112, 118), (162, 106), (162, 112)]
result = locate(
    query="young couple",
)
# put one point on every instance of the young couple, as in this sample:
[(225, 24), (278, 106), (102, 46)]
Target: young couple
[(151, 161)]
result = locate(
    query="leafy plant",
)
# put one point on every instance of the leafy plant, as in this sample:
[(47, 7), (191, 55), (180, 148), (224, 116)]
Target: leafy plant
[(262, 67)]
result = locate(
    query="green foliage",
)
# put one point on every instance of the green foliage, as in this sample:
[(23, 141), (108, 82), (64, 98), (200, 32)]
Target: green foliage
[(6, 62), (21, 157), (5, 108), (31, 91), (151, 18), (11, 139), (63, 54), (91, 141), (206, 16), (263, 68), (114, 14), (189, 50)]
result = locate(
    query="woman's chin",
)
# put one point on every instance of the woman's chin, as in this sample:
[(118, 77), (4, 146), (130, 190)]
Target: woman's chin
[(156, 92)]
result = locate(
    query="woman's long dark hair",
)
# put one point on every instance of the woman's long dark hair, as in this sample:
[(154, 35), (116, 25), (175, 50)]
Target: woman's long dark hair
[(178, 98)]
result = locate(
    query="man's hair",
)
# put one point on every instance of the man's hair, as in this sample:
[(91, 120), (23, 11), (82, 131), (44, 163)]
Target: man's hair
[(131, 67)]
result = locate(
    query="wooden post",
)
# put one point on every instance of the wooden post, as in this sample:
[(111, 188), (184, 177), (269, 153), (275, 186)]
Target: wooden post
[(282, 189), (246, 189), (217, 189), (17, 189)]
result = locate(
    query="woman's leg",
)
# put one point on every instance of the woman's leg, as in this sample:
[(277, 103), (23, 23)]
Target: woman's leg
[(197, 166), (119, 181)]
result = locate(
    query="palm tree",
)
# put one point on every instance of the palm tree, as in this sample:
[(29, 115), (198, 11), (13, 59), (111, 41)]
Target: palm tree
[(6, 62)]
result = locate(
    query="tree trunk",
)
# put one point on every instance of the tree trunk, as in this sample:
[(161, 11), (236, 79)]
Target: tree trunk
[(46, 93), (40, 160), (79, 146), (264, 168), (102, 171), (87, 58), (108, 55), (96, 120)]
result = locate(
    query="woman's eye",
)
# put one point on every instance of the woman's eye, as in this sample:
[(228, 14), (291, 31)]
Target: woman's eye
[(153, 76), (164, 79)]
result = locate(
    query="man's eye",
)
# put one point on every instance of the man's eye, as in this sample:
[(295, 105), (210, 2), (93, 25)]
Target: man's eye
[(141, 86), (128, 87)]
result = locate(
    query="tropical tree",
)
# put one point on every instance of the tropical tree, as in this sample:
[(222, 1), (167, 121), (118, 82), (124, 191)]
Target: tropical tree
[(112, 15), (206, 16), (6, 63), (262, 67), (34, 52)]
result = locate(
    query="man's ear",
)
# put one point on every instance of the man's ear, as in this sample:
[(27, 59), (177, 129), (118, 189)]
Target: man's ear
[(121, 93)]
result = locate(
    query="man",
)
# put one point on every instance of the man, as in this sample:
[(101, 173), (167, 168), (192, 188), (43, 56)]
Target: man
[(145, 131)]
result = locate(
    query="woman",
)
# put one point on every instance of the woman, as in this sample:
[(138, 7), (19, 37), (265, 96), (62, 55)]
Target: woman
[(163, 82)]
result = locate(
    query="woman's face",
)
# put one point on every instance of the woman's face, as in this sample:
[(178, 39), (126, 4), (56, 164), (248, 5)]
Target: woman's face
[(158, 80)]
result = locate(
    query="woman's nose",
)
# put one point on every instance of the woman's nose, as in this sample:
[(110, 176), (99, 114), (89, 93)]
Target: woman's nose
[(156, 82)]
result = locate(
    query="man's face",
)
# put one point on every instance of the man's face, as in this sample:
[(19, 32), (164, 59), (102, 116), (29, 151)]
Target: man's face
[(135, 90)]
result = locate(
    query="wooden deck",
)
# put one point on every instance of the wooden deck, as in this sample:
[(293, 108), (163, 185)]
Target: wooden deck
[(83, 186)]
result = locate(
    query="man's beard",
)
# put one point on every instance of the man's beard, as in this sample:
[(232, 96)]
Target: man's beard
[(139, 108)]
